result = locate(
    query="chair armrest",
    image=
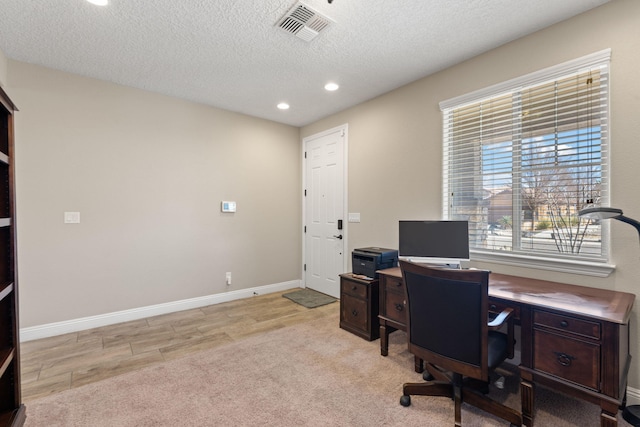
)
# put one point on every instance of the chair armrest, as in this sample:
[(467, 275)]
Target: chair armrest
[(506, 316), (500, 319)]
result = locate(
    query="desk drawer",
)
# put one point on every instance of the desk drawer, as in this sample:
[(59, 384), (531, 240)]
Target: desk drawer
[(395, 307), (567, 324), (570, 359), (394, 284), (354, 288)]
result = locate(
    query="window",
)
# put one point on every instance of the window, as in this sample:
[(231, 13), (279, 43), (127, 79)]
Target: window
[(520, 160)]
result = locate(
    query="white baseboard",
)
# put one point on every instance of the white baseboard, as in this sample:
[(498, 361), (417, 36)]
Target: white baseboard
[(75, 325), (633, 396)]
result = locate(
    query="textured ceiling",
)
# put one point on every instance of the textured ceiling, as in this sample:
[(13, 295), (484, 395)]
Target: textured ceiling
[(230, 54)]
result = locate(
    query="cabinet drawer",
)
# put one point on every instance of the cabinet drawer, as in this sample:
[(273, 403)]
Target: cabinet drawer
[(395, 308), (354, 312), (571, 359), (354, 288), (567, 324), (394, 284)]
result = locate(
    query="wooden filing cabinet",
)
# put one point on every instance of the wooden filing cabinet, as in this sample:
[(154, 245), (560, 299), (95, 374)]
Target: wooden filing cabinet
[(359, 306)]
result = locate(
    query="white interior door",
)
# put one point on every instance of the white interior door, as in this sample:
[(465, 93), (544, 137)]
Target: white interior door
[(324, 210)]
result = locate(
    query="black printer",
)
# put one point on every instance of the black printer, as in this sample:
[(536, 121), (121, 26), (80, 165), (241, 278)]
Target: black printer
[(366, 261)]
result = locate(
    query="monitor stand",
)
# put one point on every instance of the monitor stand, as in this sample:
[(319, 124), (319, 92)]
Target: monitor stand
[(450, 265)]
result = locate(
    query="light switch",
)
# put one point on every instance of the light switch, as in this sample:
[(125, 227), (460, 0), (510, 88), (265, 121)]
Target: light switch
[(228, 206), (354, 217), (72, 217)]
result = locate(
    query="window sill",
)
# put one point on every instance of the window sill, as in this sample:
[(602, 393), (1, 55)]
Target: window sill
[(585, 268)]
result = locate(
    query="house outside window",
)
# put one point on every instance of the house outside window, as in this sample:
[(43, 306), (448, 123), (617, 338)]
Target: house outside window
[(520, 159)]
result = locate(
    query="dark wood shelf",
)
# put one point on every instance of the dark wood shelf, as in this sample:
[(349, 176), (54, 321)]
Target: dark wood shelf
[(5, 290), (12, 411), (6, 357), (13, 417)]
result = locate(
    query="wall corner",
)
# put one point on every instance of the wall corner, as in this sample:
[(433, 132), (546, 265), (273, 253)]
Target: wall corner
[(3, 70)]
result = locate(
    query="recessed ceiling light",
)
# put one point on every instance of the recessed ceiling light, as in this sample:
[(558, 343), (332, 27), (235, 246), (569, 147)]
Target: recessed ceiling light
[(283, 106), (331, 86), (99, 2)]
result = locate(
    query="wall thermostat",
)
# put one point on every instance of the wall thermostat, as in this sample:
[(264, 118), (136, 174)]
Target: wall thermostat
[(228, 206)]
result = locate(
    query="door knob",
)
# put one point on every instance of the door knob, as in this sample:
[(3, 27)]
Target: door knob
[(339, 237)]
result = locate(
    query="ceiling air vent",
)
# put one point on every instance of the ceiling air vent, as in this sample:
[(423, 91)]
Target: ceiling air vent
[(303, 22)]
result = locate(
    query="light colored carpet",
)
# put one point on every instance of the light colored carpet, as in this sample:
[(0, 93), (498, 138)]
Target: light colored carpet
[(309, 298), (311, 374)]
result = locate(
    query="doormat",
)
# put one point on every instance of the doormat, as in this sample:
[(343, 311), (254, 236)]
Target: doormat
[(309, 298)]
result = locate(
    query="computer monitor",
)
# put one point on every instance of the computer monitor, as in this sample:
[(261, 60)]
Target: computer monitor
[(443, 243)]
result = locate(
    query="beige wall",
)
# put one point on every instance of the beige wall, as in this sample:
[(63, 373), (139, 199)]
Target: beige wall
[(395, 140), (147, 173)]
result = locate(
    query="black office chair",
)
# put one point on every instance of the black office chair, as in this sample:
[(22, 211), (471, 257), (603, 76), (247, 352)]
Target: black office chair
[(448, 328)]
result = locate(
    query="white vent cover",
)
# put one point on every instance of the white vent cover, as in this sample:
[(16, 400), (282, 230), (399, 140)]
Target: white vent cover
[(303, 22)]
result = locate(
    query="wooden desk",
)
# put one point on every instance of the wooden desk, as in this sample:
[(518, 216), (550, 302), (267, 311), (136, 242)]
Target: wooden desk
[(574, 339)]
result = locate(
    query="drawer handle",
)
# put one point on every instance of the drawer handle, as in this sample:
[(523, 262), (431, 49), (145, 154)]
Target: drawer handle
[(398, 284), (399, 307), (493, 307), (355, 313), (564, 359), (564, 323), (354, 288)]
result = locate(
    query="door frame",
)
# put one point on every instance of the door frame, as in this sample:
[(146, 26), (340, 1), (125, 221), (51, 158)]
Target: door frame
[(345, 227)]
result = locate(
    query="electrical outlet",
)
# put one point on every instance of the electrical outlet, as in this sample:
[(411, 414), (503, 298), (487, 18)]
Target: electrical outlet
[(228, 278)]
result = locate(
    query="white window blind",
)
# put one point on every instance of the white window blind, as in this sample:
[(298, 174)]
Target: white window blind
[(521, 158)]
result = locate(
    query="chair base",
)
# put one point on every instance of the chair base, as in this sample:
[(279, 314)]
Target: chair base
[(460, 394)]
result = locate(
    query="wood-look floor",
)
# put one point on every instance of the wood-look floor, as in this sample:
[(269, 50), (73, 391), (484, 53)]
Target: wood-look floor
[(51, 365)]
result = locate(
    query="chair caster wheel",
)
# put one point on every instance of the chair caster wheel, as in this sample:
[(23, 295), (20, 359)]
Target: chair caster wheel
[(405, 400), (427, 376)]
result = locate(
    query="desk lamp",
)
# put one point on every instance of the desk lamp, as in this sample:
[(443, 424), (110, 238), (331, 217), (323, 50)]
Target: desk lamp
[(631, 413), (606, 213)]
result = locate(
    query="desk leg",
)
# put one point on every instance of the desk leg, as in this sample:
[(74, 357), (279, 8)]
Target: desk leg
[(608, 420), (608, 415), (384, 338), (527, 395)]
